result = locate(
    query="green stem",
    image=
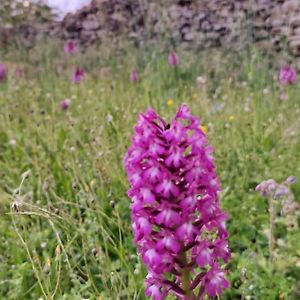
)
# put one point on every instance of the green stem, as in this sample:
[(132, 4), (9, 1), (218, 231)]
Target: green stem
[(272, 226), (185, 277)]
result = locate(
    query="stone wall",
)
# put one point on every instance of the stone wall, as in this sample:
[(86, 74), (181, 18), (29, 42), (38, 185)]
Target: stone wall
[(271, 24)]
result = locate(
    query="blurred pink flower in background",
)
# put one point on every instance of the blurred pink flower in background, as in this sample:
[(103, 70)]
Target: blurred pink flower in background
[(134, 76), (287, 75), (2, 72), (70, 47), (173, 58), (65, 104), (105, 72), (19, 72), (78, 75)]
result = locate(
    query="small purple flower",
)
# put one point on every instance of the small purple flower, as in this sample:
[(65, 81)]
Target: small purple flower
[(214, 281), (290, 180), (19, 72), (65, 104), (175, 209), (266, 187), (134, 76), (271, 188), (70, 47), (290, 207), (173, 58), (153, 288), (78, 75), (281, 191), (204, 255), (2, 72), (287, 75)]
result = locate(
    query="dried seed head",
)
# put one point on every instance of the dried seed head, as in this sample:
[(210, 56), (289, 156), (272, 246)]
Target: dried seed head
[(243, 272), (26, 174), (94, 251), (57, 252), (47, 266), (45, 186), (15, 206), (75, 185)]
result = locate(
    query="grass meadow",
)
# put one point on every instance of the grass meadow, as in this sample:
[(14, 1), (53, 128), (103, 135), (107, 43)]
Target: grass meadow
[(65, 229)]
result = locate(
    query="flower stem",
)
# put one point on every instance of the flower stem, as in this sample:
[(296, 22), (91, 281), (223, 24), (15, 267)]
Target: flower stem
[(272, 225), (185, 277)]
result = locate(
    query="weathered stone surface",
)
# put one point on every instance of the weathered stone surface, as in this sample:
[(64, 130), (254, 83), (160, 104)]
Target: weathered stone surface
[(290, 6), (90, 25), (295, 21), (294, 41), (194, 24), (215, 22)]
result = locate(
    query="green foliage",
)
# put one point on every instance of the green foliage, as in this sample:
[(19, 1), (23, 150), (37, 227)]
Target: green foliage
[(69, 236)]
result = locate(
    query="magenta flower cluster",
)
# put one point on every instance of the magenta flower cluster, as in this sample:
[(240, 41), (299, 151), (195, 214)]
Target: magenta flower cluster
[(70, 47), (65, 104), (78, 75), (134, 76), (173, 59), (178, 225), (2, 72), (287, 75)]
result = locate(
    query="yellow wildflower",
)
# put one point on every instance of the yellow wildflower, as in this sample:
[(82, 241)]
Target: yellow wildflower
[(170, 102), (231, 118), (204, 128)]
